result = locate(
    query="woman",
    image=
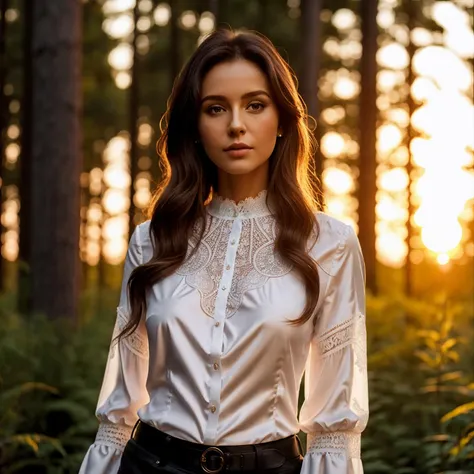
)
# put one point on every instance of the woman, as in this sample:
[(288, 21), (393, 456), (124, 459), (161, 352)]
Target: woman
[(235, 286)]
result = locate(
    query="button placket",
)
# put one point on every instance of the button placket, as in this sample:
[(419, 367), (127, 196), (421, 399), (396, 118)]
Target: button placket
[(218, 333)]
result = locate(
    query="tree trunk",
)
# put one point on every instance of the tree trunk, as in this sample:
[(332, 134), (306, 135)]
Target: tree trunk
[(214, 9), (56, 156), (3, 113), (24, 257), (262, 20), (368, 129), (311, 51), (412, 13), (175, 40), (133, 118)]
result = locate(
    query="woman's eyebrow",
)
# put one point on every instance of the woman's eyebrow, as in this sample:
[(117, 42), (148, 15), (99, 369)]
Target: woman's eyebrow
[(245, 96)]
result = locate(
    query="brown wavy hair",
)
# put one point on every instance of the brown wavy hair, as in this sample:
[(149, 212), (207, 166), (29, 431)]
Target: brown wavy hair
[(189, 176)]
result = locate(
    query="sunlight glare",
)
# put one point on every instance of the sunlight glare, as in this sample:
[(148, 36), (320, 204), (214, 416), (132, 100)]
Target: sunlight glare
[(13, 132), (145, 6), (123, 79), (393, 180), (385, 17), (116, 150), (423, 89), (207, 23), (443, 258), (121, 57), (115, 201), (116, 177), (119, 27), (162, 14), (332, 144), (442, 66), (188, 19), (344, 19), (115, 250), (338, 181), (114, 227), (393, 56), (461, 41), (111, 7), (389, 136), (391, 249), (392, 210), (346, 88), (332, 115), (421, 37), (143, 24), (449, 15), (441, 236)]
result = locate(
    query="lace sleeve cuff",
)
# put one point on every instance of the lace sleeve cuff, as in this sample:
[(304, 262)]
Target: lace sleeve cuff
[(113, 435), (340, 442)]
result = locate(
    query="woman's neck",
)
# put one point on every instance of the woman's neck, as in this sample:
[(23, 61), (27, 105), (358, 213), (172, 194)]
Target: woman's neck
[(242, 186)]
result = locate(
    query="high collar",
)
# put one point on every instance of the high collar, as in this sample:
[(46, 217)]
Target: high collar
[(248, 208)]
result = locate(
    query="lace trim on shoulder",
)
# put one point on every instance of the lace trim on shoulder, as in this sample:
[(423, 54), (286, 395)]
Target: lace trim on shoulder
[(351, 331), (113, 435), (137, 342), (339, 443)]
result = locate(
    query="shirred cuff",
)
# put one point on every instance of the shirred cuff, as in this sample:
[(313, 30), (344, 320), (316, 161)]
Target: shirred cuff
[(339, 442), (113, 435)]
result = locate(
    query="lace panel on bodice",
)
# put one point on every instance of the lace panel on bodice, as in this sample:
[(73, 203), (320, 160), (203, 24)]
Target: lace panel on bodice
[(255, 263)]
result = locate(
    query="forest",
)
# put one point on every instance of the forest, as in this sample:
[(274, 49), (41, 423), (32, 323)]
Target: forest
[(389, 89)]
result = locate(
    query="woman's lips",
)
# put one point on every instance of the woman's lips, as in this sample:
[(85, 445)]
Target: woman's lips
[(238, 152)]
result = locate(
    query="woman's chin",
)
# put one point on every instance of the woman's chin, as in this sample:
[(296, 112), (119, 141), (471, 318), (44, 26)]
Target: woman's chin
[(240, 166)]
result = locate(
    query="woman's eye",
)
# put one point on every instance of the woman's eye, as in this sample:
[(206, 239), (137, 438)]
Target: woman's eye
[(256, 106), (215, 109)]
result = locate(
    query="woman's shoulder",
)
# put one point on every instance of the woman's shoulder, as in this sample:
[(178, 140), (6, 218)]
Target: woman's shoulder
[(141, 237), (333, 236)]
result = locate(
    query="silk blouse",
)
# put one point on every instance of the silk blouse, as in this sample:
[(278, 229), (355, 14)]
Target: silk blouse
[(214, 361)]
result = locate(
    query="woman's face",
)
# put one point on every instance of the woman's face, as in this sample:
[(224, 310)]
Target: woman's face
[(238, 120)]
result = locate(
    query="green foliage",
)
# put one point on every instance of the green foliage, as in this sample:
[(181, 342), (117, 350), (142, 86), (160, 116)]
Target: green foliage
[(50, 373), (420, 374), (421, 382)]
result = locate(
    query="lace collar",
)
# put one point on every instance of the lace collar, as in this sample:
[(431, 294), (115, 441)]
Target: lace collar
[(246, 209)]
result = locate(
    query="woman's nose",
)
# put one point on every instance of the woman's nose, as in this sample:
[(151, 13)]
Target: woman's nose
[(236, 126)]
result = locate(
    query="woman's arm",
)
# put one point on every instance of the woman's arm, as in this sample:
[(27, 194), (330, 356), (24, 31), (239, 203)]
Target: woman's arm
[(335, 411), (123, 389)]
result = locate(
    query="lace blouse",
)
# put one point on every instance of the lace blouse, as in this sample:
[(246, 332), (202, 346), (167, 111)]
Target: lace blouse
[(214, 361)]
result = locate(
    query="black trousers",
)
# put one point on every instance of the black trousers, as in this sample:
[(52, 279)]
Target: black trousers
[(137, 460)]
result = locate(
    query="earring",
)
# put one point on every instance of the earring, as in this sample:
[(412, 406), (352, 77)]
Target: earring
[(280, 135)]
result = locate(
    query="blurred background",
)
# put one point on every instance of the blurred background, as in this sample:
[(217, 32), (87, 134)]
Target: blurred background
[(83, 85)]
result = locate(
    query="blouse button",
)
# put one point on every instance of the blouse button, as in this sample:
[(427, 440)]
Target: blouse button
[(228, 267), (217, 324), (232, 242), (216, 366), (213, 408), (224, 287)]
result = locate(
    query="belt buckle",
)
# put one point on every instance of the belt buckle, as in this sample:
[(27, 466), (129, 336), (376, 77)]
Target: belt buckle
[(204, 460)]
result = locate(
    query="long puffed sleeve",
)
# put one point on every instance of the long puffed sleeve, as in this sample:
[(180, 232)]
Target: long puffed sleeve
[(123, 389), (335, 410)]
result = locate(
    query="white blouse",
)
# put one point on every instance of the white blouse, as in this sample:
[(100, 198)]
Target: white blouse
[(214, 361)]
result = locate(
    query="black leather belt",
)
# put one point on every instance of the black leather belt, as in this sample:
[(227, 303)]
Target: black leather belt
[(214, 459)]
